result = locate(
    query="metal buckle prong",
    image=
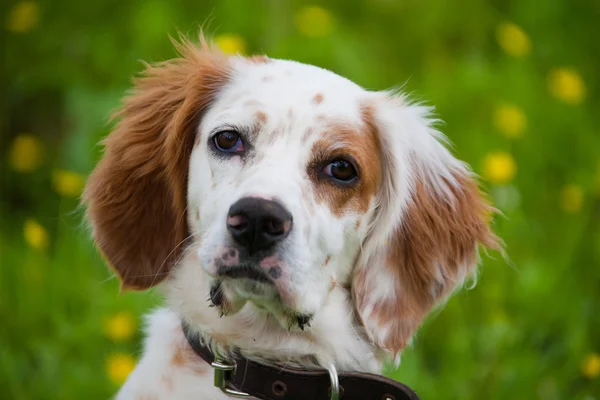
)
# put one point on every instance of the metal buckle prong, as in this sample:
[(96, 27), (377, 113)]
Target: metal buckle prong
[(222, 371), (334, 382)]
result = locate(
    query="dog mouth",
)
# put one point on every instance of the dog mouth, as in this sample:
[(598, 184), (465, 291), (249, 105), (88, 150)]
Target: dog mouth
[(240, 283), (244, 272), (218, 299)]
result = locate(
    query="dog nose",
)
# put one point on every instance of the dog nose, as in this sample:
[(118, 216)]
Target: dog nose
[(258, 224)]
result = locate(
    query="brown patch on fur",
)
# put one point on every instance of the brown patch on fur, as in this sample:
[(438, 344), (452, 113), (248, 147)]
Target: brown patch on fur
[(261, 117), (197, 214), (333, 284), (136, 196), (439, 231), (357, 224), (361, 143), (179, 358), (201, 369), (259, 59), (184, 356), (327, 260), (318, 99)]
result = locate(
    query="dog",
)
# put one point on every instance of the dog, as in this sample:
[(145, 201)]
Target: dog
[(290, 216)]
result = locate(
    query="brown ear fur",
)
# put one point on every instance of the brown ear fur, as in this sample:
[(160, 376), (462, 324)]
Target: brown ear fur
[(136, 196), (427, 257)]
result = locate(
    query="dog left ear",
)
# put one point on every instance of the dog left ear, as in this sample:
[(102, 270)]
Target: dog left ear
[(430, 219), (136, 195)]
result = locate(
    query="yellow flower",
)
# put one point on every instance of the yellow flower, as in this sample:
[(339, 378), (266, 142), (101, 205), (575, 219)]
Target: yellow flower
[(35, 235), (23, 17), (314, 21), (499, 167), (590, 367), (118, 367), (566, 85), (571, 198), (67, 183), (513, 40), (231, 43), (26, 153), (510, 120), (120, 327)]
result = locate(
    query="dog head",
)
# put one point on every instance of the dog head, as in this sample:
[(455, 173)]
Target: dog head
[(282, 182)]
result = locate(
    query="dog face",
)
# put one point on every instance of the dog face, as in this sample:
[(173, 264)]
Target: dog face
[(283, 182)]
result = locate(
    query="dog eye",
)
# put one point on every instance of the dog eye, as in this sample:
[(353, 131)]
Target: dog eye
[(341, 170), (229, 142)]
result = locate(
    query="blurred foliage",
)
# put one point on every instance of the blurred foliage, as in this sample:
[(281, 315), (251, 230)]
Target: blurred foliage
[(515, 81)]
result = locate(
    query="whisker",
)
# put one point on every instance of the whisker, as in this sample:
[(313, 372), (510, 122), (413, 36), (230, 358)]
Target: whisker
[(169, 255), (110, 278), (157, 273), (176, 246)]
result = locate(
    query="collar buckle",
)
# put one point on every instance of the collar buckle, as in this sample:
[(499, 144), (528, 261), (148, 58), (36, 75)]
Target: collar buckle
[(222, 371)]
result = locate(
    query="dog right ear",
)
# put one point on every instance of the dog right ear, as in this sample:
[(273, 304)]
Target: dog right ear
[(136, 196), (432, 218)]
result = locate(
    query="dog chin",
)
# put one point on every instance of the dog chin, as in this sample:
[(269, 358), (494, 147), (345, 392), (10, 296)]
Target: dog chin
[(230, 296)]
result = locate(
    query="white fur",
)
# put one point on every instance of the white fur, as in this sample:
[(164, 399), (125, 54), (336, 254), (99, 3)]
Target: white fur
[(258, 325)]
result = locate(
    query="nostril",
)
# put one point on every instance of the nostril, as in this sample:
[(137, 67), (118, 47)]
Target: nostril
[(273, 227), (237, 222), (276, 227)]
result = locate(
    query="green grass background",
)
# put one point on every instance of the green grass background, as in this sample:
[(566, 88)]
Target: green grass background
[(528, 330)]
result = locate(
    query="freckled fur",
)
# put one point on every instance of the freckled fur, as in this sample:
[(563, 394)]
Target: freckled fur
[(275, 133), (307, 133), (261, 117), (395, 245), (179, 357)]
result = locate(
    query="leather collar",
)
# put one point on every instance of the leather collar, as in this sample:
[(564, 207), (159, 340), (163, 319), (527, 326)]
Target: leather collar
[(275, 383)]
